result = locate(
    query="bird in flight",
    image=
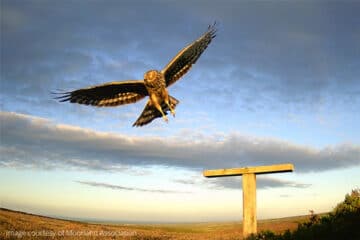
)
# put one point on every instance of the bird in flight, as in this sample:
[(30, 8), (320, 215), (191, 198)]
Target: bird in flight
[(154, 85)]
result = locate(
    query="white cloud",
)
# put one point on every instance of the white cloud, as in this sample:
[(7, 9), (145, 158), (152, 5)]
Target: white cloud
[(28, 141)]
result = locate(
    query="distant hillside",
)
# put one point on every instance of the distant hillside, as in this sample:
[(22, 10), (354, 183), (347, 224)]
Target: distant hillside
[(20, 225)]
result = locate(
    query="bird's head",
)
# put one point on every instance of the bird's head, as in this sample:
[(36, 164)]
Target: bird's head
[(151, 76)]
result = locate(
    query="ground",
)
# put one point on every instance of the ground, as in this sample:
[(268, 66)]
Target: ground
[(19, 225)]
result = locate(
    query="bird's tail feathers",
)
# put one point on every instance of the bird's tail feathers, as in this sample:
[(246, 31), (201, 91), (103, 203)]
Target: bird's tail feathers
[(150, 112)]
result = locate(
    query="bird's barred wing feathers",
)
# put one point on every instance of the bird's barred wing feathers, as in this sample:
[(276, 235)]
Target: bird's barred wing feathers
[(107, 95), (183, 61)]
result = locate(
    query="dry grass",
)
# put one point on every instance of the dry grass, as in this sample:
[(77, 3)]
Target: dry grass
[(18, 225)]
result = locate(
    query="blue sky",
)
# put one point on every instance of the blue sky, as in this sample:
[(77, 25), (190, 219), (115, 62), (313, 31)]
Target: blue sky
[(279, 83)]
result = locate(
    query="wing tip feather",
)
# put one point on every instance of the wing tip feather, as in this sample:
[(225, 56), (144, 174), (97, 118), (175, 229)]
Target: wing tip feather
[(212, 29), (61, 96)]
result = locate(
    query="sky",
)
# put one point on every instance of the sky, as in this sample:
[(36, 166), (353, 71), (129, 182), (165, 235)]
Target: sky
[(279, 84)]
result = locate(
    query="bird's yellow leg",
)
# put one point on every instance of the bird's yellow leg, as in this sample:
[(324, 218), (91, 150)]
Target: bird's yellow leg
[(163, 115), (171, 109), (166, 100), (158, 107)]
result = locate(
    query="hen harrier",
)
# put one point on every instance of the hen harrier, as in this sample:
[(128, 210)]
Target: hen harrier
[(154, 85)]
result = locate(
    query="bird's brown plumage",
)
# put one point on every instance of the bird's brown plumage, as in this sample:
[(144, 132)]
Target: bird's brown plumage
[(154, 85), (108, 94), (184, 60)]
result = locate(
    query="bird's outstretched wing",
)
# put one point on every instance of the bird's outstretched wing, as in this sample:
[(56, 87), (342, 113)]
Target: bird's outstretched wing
[(150, 112), (183, 61), (108, 94)]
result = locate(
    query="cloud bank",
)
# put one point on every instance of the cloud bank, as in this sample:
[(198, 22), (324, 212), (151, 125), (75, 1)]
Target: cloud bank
[(32, 142)]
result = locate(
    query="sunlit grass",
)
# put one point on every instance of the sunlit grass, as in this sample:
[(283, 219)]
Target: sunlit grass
[(15, 224)]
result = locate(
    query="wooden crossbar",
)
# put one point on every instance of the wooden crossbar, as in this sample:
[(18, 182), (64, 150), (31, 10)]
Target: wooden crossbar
[(287, 167)]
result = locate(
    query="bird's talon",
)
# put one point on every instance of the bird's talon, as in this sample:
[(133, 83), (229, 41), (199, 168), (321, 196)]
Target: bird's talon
[(166, 119)]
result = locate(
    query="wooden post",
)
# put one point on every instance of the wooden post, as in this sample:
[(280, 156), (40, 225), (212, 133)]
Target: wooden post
[(249, 204), (249, 189)]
